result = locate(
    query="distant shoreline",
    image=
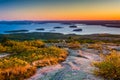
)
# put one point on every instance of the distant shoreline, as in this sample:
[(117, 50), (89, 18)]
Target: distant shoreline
[(107, 23)]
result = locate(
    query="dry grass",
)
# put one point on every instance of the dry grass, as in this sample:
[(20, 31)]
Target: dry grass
[(109, 68), (13, 68)]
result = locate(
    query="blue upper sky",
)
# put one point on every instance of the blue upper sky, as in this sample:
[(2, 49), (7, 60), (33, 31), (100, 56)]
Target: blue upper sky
[(32, 2), (59, 9)]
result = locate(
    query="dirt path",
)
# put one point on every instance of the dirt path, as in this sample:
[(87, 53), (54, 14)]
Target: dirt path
[(76, 67)]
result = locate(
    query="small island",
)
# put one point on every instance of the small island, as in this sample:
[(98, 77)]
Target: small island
[(58, 27), (41, 29), (72, 26), (77, 30), (112, 25), (16, 31)]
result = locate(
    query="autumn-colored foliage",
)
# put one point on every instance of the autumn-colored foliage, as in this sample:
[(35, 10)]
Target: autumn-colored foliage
[(2, 49), (13, 68), (74, 45), (97, 46), (25, 57)]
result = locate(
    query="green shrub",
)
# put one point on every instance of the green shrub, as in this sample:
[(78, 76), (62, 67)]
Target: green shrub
[(35, 43), (19, 47), (110, 67), (53, 55)]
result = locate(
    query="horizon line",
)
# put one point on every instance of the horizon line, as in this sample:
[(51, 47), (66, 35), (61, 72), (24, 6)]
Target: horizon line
[(62, 20)]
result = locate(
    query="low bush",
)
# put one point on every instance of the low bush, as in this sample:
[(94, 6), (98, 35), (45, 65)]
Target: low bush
[(109, 68), (13, 68), (2, 49), (74, 45), (96, 46), (19, 47)]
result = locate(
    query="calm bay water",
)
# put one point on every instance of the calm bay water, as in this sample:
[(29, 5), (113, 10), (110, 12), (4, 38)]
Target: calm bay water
[(49, 27)]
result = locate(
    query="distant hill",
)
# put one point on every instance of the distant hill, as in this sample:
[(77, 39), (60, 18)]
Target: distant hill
[(107, 23)]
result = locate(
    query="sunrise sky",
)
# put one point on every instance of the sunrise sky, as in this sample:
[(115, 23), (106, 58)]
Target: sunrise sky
[(59, 9)]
